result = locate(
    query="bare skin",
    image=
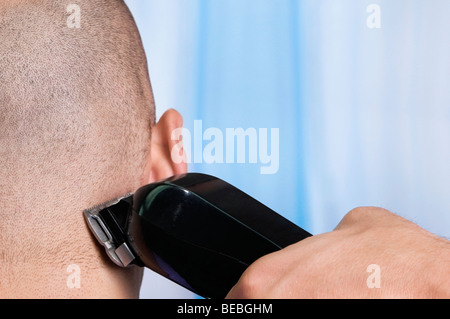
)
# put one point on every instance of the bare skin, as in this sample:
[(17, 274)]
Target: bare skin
[(413, 263), (38, 253)]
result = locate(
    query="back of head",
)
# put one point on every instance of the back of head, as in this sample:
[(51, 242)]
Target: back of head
[(76, 105)]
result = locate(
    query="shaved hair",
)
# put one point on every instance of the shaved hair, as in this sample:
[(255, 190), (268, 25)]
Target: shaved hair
[(76, 104)]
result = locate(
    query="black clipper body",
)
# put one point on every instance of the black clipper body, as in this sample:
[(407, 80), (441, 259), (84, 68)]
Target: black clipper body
[(194, 229)]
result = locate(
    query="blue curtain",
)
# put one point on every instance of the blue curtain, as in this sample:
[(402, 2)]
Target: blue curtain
[(363, 113)]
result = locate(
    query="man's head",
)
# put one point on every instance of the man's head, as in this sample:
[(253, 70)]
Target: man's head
[(77, 114), (76, 104)]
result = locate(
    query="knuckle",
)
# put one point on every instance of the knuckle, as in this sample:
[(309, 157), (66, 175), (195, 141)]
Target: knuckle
[(250, 284), (357, 213), (364, 216), (357, 216)]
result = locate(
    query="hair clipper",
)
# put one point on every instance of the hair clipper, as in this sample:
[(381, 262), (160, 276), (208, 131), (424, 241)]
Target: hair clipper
[(193, 229)]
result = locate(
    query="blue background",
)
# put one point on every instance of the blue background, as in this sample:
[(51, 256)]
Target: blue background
[(364, 114)]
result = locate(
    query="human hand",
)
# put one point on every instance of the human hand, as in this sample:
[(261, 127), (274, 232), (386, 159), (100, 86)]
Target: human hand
[(372, 253)]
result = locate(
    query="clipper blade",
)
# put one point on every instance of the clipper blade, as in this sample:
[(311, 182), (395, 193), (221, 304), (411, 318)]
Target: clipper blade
[(107, 233), (98, 208)]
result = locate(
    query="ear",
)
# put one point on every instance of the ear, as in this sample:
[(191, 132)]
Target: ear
[(162, 145)]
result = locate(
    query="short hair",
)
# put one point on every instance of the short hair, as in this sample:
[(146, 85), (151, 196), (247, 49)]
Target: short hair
[(76, 104)]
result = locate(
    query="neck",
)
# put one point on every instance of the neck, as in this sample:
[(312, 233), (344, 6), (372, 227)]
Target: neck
[(46, 255)]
